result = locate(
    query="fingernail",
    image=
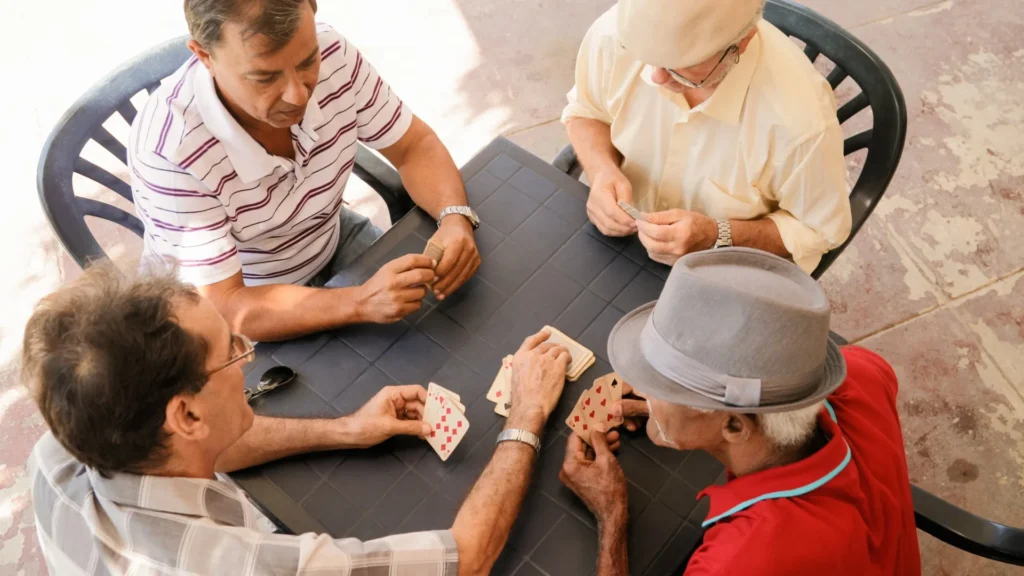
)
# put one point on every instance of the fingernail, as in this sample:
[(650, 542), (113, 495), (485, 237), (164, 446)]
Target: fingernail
[(436, 279)]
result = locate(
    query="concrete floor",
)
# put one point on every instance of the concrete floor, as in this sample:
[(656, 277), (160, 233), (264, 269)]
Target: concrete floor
[(933, 281)]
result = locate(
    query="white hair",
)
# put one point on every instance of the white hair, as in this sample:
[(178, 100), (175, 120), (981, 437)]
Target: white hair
[(750, 25), (785, 429)]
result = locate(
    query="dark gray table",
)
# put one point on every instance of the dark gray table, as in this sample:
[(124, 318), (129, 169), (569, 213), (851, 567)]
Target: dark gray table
[(543, 263)]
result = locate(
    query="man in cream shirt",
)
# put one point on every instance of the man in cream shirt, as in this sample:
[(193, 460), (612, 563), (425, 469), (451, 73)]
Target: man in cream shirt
[(714, 124)]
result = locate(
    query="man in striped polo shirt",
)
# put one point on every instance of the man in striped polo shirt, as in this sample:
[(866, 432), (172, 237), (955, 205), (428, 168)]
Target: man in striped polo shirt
[(240, 159)]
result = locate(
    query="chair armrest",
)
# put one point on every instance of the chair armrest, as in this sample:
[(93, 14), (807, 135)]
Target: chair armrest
[(961, 529), (567, 162), (385, 180)]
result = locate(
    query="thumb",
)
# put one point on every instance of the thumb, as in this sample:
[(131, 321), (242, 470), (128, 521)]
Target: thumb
[(599, 442), (631, 409), (410, 428), (663, 218), (624, 191)]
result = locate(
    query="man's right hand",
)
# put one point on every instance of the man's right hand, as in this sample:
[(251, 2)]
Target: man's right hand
[(396, 290), (597, 478), (608, 187), (538, 377)]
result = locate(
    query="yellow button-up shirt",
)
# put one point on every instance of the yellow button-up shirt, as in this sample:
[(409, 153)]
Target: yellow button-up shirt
[(767, 143)]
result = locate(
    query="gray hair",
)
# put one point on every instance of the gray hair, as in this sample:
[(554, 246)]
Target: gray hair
[(758, 16), (277, 20), (786, 429)]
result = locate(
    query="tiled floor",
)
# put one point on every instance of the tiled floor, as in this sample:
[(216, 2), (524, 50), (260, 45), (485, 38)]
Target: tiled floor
[(933, 281)]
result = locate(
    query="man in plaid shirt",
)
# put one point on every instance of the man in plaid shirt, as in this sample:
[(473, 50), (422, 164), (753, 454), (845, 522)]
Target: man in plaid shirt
[(141, 384)]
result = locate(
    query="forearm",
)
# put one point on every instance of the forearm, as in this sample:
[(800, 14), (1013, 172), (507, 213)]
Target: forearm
[(486, 517), (761, 234), (428, 171), (612, 555), (273, 438), (592, 141), (282, 311)]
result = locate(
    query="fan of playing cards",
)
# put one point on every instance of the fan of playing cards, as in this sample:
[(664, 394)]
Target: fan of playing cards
[(595, 407), (447, 418)]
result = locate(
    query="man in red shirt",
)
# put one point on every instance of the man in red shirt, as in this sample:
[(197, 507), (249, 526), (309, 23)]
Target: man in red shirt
[(735, 359)]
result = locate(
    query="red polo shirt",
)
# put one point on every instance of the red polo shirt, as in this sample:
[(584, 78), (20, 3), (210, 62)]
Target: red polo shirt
[(845, 510)]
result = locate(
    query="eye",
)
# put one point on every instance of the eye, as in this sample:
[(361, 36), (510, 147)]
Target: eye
[(266, 81)]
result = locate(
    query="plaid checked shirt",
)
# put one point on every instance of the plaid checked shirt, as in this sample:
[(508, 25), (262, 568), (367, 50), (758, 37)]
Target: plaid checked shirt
[(130, 524)]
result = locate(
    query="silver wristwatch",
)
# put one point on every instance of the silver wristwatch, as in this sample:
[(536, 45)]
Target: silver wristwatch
[(517, 435), (462, 211), (724, 233)]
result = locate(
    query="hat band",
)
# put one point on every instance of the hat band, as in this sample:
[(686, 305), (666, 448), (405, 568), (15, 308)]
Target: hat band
[(708, 382)]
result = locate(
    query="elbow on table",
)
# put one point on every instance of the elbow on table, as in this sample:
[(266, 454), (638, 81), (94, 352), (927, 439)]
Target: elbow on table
[(474, 558)]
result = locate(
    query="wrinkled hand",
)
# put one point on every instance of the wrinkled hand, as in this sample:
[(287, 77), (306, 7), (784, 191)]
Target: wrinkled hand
[(632, 410), (461, 257), (396, 290), (595, 476), (672, 234), (603, 204), (393, 411), (538, 377)]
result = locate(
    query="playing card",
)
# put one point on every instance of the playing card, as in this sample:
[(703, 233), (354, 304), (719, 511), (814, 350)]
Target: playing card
[(586, 365), (501, 389), (577, 421), (607, 391), (448, 425), (434, 251), (628, 209), (580, 355), (455, 398)]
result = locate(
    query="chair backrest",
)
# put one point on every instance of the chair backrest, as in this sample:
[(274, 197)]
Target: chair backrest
[(879, 91), (61, 155)]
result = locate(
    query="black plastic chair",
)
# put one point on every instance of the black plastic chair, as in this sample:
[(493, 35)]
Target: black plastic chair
[(61, 158), (880, 91)]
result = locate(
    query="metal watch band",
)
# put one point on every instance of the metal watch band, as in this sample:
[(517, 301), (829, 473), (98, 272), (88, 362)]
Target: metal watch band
[(724, 233), (466, 211), (518, 435)]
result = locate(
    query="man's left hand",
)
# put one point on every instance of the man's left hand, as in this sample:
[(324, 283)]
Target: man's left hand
[(393, 411), (595, 476), (672, 234), (461, 257)]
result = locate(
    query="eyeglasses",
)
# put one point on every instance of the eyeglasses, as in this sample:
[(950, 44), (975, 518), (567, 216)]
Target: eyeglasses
[(690, 84), (242, 349)]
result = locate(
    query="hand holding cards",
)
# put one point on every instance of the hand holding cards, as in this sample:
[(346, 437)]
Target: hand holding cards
[(629, 209), (446, 416), (594, 408)]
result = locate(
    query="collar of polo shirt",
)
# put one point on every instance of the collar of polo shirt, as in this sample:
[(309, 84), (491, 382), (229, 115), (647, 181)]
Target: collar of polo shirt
[(726, 102), (247, 156), (789, 481)]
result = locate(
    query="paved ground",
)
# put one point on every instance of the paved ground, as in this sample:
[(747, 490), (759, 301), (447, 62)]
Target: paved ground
[(933, 282)]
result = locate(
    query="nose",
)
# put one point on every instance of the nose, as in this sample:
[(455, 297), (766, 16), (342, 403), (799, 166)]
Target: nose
[(660, 76), (296, 93)]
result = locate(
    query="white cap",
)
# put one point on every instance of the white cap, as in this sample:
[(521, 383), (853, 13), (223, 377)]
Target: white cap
[(678, 34)]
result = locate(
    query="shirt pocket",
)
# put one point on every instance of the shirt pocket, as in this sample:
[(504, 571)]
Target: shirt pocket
[(739, 201)]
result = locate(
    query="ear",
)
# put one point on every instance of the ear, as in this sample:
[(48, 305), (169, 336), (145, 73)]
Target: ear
[(185, 420), (203, 54), (737, 428), (742, 46)]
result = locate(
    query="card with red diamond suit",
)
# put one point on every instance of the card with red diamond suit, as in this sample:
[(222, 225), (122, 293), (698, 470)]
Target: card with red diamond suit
[(578, 423), (608, 391), (448, 425), (501, 390)]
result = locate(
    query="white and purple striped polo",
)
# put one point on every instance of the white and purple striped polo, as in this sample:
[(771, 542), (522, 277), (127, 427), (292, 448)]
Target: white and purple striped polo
[(215, 202)]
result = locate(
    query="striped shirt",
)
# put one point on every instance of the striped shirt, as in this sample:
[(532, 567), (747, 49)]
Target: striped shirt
[(215, 202), (141, 525)]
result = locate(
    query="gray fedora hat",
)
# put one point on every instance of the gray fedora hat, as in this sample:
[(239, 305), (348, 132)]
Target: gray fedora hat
[(734, 329)]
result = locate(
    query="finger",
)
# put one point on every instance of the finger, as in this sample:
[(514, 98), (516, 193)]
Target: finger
[(414, 277), (659, 232), (410, 428), (408, 308), (599, 442), (575, 448), (608, 226), (618, 218), (535, 340), (410, 262), (624, 191), (614, 440), (411, 392), (449, 258), (414, 294), (468, 265), (631, 424), (453, 269), (631, 409), (665, 217)]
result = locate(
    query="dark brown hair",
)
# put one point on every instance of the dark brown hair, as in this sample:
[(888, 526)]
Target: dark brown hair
[(277, 20), (103, 356)]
